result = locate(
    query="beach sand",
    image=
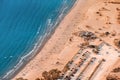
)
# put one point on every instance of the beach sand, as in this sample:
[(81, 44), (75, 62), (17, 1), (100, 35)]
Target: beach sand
[(96, 16)]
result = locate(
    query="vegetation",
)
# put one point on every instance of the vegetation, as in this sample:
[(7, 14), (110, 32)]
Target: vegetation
[(51, 75), (117, 42), (116, 70), (86, 35), (21, 78), (111, 78)]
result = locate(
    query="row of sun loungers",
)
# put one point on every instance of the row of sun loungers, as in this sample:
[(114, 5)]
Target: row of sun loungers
[(85, 65), (74, 67), (78, 65)]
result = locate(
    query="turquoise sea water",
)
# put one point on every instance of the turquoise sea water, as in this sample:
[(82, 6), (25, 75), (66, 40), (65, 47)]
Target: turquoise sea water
[(24, 23)]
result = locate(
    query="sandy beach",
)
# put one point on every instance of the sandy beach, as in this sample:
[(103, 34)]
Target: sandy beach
[(86, 15)]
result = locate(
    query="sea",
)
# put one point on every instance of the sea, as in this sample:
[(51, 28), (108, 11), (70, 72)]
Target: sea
[(25, 25)]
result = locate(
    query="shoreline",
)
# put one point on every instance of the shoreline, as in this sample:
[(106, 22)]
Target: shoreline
[(24, 61), (29, 57), (59, 49), (46, 40)]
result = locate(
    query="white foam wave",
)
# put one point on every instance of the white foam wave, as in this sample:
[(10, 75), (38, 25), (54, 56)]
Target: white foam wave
[(38, 44)]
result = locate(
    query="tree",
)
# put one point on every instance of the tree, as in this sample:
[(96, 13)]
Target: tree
[(21, 78), (51, 75), (37, 79)]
